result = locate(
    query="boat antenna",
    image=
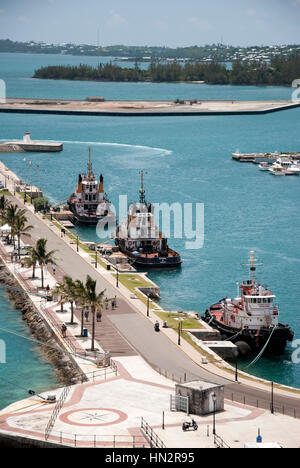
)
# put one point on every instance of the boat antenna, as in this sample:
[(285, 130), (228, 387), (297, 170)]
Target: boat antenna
[(90, 167), (142, 191), (252, 264)]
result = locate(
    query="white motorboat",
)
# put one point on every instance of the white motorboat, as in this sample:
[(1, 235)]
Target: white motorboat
[(287, 165), (277, 170), (264, 166)]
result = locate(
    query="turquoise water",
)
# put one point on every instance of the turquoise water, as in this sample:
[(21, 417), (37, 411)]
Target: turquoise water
[(25, 368), (187, 160)]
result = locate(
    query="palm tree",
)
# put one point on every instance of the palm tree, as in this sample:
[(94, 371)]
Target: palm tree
[(42, 256), (12, 213), (61, 292), (3, 208), (71, 294), (10, 217), (30, 260), (80, 300), (90, 298), (19, 228)]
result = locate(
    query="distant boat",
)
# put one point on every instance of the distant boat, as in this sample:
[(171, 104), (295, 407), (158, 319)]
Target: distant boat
[(264, 166), (284, 166)]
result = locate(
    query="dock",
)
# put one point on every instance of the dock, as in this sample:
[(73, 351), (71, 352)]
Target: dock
[(21, 146), (259, 157)]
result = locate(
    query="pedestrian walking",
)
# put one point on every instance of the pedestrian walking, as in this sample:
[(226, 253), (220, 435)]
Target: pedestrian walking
[(99, 316), (53, 268), (64, 330), (86, 314), (106, 303)]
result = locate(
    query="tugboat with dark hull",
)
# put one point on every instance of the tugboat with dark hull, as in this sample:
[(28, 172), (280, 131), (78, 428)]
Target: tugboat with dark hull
[(89, 204), (140, 239), (252, 320)]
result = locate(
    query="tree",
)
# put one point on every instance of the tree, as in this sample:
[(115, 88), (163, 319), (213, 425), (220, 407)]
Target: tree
[(41, 203), (16, 219), (42, 256), (19, 228), (31, 260), (61, 292), (68, 293), (3, 208), (92, 300)]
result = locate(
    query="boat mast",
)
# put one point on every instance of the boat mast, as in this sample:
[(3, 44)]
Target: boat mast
[(90, 167), (253, 263), (142, 191)]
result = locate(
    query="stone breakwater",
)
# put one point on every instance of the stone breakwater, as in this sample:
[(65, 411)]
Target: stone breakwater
[(66, 369)]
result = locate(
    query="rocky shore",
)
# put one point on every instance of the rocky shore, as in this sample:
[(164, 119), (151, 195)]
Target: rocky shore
[(66, 369)]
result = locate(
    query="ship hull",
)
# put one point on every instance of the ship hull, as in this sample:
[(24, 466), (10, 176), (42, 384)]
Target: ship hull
[(88, 220), (151, 262), (255, 339)]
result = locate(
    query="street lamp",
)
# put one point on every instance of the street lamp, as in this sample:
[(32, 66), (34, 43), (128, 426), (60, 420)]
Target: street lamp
[(96, 263), (179, 332), (272, 398), (117, 269), (236, 369), (77, 247), (148, 305), (214, 398)]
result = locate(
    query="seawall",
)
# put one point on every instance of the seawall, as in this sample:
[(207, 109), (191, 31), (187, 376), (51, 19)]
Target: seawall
[(65, 367)]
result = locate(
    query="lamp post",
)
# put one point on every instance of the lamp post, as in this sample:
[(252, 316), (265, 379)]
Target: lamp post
[(148, 305), (179, 332), (236, 369), (214, 398), (96, 263), (272, 398), (117, 276), (77, 247)]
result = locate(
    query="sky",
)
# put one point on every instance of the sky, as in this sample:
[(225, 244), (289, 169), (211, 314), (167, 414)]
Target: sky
[(171, 23)]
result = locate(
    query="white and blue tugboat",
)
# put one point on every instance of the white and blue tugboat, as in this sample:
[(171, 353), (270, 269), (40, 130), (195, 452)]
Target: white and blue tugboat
[(140, 239)]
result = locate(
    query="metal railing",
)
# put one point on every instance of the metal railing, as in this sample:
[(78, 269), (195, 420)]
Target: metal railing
[(99, 440), (56, 411), (219, 442), (247, 400), (151, 436)]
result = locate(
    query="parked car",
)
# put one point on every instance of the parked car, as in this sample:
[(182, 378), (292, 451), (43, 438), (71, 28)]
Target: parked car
[(23, 250)]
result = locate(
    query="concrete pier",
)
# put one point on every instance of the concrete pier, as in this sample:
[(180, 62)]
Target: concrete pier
[(254, 157), (21, 146)]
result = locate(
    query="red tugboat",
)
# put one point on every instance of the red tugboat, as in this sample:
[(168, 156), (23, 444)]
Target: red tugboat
[(89, 204), (252, 320)]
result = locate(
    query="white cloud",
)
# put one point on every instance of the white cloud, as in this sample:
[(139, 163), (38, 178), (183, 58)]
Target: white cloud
[(115, 19)]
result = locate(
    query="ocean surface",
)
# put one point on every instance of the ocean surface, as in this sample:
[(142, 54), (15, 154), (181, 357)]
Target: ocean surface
[(186, 160), (22, 363)]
